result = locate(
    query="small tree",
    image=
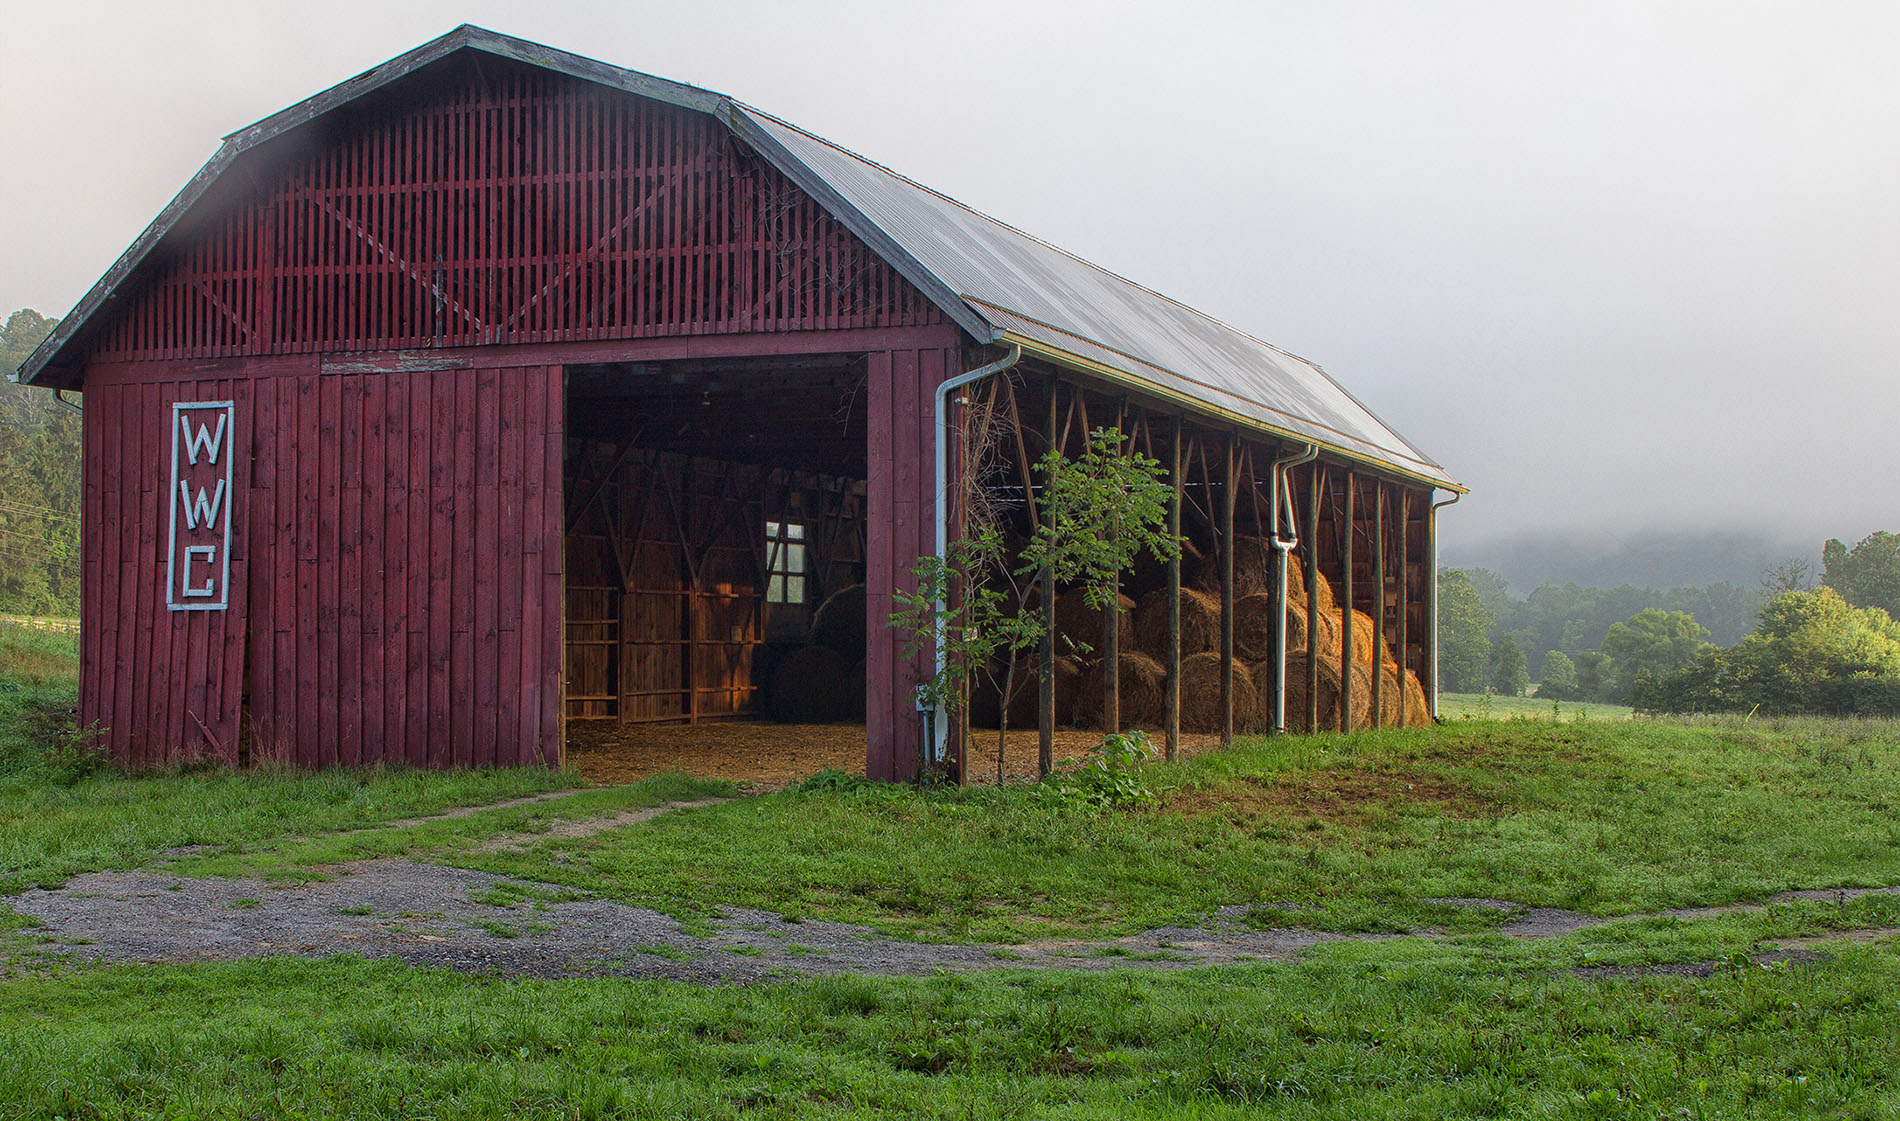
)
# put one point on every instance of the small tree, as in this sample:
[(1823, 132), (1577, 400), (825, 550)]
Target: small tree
[(1509, 676), (1099, 512), (1559, 678)]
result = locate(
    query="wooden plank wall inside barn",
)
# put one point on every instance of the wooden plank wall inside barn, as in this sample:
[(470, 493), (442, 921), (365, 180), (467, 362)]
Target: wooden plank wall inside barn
[(395, 568), (666, 574)]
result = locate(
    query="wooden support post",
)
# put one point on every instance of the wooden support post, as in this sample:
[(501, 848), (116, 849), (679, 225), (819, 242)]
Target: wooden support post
[(1276, 596), (1227, 594), (1172, 719), (1309, 542), (1345, 609), (1046, 673), (1405, 596), (1378, 608)]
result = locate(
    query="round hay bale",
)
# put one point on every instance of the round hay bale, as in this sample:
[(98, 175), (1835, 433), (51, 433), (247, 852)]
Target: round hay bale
[(1323, 588), (1250, 569), (1391, 696), (1254, 630), (1079, 626), (1418, 711), (1328, 694), (1200, 623), (986, 710), (1141, 687), (815, 685), (1200, 694), (1295, 579), (838, 624), (1333, 636)]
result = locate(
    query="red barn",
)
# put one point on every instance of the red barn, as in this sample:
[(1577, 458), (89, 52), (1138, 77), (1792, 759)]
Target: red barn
[(498, 388)]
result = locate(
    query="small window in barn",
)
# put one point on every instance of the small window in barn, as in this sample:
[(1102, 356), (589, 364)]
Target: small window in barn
[(785, 562)]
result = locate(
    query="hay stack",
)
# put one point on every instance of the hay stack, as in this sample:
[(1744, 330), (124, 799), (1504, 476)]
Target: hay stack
[(838, 624), (1328, 694), (1142, 688), (815, 685), (1250, 573), (985, 711), (1078, 623), (1200, 623), (1200, 694), (1401, 706), (1254, 630), (1418, 711), (1323, 588)]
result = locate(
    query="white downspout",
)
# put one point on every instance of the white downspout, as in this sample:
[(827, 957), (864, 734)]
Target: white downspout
[(1432, 531), (1283, 546), (940, 731)]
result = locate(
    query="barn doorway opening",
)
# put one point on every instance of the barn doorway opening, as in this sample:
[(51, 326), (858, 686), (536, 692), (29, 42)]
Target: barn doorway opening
[(714, 560)]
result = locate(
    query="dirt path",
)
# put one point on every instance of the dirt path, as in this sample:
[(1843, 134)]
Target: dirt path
[(433, 915)]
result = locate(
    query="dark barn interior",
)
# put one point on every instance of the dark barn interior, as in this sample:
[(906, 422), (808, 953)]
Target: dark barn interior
[(715, 514)]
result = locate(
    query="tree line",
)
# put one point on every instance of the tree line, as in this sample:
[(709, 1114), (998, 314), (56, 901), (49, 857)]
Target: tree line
[(1577, 643), (39, 498), (1830, 649), (1793, 645)]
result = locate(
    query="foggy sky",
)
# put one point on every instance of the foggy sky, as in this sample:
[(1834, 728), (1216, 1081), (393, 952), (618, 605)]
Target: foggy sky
[(1617, 266)]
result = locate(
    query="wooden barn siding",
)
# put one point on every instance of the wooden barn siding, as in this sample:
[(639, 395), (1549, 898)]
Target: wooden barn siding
[(900, 387), (396, 568), (431, 224)]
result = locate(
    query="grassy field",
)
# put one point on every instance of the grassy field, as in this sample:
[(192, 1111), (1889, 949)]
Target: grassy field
[(1348, 833), (1488, 706)]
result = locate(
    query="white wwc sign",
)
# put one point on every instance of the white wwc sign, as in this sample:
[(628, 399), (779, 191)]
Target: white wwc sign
[(198, 564)]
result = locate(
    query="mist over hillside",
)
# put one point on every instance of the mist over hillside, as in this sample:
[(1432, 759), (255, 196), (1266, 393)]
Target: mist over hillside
[(1656, 559)]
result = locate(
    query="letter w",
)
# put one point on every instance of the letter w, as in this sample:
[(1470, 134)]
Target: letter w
[(203, 439), (200, 509)]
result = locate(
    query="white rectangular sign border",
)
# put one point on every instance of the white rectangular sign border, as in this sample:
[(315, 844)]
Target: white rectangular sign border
[(179, 408)]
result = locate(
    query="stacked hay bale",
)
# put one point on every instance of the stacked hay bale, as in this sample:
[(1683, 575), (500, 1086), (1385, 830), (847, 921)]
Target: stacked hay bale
[(822, 682), (1141, 693), (1141, 674), (985, 710)]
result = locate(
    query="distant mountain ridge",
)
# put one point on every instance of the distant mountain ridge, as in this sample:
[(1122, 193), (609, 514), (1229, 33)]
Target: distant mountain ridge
[(1659, 560)]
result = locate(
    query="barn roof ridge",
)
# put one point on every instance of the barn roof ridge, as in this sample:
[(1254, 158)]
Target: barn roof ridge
[(1009, 283)]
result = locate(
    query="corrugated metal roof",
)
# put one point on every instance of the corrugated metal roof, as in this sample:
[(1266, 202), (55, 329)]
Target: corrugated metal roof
[(983, 272), (1032, 289)]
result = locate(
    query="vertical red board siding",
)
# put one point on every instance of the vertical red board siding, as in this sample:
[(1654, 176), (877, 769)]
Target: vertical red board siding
[(338, 519), (900, 393), (514, 205)]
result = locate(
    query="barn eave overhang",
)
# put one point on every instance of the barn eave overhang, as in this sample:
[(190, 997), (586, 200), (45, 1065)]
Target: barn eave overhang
[(1241, 415)]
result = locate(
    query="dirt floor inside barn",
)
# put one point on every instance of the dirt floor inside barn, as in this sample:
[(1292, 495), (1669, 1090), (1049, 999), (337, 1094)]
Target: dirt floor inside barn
[(773, 755)]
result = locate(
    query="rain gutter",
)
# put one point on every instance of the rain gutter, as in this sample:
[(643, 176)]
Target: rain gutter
[(940, 730), (1279, 494), (1431, 531)]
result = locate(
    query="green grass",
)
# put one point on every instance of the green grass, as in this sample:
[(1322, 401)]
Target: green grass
[(1399, 1030), (1353, 832), (1334, 832), (1489, 706)]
